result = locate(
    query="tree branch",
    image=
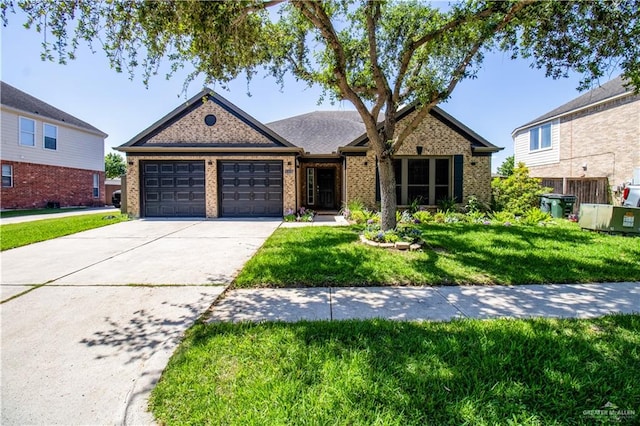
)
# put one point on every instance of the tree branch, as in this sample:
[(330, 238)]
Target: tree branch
[(456, 76), (372, 12)]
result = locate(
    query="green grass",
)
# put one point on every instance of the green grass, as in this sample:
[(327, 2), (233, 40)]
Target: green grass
[(454, 254), (379, 372), (14, 235), (30, 212)]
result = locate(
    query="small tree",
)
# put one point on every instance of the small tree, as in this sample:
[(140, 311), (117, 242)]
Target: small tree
[(114, 165), (506, 168), (518, 192)]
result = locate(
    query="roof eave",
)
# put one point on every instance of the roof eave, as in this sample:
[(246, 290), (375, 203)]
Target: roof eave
[(197, 150), (19, 111), (573, 111)]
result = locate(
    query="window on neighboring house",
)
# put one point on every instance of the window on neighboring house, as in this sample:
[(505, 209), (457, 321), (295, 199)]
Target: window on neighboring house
[(96, 185), (540, 137), (50, 136), (426, 178), (7, 176), (27, 132)]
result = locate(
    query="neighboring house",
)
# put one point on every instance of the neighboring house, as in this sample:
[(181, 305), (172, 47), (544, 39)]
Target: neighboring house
[(111, 186), (48, 156), (596, 135), (208, 158)]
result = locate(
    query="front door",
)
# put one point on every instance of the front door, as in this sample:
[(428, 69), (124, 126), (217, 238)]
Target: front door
[(326, 189)]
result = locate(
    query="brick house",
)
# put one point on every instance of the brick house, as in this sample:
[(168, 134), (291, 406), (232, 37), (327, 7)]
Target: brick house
[(208, 158), (596, 135), (48, 156)]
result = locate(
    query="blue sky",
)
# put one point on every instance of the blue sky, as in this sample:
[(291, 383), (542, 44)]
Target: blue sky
[(505, 95)]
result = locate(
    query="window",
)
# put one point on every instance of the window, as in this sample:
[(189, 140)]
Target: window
[(311, 184), (50, 136), (428, 179), (96, 185), (7, 176), (27, 132), (540, 137)]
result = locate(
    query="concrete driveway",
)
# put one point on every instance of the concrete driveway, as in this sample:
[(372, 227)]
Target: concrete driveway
[(104, 310)]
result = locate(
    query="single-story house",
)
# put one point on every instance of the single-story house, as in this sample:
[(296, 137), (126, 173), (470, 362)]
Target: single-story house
[(208, 158)]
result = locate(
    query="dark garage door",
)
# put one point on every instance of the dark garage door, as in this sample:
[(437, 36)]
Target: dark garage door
[(250, 188), (173, 189)]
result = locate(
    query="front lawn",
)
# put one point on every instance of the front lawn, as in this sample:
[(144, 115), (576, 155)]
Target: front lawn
[(14, 235), (455, 253), (379, 372), (30, 212)]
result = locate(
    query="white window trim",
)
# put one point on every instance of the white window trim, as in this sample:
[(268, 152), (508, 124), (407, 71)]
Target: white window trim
[(20, 131), (44, 137), (10, 175), (548, 148), (95, 191), (404, 187)]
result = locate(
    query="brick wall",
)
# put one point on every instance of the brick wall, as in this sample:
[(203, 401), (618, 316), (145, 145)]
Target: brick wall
[(34, 185), (604, 138), (436, 139), (211, 178), (192, 129)]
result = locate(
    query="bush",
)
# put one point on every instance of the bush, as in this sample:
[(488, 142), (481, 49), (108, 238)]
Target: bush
[(535, 216), (517, 193), (423, 216), (503, 217)]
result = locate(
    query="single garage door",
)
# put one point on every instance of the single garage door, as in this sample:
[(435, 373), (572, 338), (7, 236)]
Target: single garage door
[(173, 189), (250, 188)]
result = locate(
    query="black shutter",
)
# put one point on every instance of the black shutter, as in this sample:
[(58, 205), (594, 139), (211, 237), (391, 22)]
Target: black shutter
[(378, 196), (458, 162)]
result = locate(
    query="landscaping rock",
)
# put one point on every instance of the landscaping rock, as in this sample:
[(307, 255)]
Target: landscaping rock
[(414, 247), (402, 245)]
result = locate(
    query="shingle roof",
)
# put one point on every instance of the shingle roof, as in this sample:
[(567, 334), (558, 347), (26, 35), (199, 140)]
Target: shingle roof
[(15, 98), (608, 90), (320, 132)]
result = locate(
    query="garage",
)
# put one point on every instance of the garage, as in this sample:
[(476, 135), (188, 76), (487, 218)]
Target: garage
[(173, 189), (250, 188)]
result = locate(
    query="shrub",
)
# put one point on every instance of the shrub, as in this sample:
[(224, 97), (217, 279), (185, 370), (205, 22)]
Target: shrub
[(358, 216), (517, 193), (503, 217), (446, 204), (535, 216), (439, 217), (474, 205), (423, 216)]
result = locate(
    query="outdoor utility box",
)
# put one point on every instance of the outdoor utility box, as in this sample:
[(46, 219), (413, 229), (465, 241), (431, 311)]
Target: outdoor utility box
[(608, 218), (558, 205)]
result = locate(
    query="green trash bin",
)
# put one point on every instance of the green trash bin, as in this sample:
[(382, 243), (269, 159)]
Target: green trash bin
[(558, 205)]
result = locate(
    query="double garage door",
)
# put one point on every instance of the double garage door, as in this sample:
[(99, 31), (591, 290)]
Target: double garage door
[(245, 188)]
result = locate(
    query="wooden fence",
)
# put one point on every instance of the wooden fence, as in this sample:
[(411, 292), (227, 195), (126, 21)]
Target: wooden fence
[(587, 190)]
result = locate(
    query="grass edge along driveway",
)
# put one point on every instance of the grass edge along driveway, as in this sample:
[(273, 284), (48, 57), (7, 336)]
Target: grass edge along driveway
[(368, 372), (14, 235), (454, 254)]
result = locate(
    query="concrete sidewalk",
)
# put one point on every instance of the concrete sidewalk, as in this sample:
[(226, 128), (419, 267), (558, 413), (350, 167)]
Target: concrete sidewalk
[(428, 303)]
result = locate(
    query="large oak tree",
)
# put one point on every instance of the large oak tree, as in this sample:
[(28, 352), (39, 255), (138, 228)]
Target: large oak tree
[(377, 55)]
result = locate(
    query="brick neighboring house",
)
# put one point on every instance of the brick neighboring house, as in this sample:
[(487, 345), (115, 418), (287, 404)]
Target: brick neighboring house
[(596, 135), (48, 156), (208, 158)]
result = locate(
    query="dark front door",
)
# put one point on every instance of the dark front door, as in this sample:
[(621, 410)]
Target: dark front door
[(173, 189), (326, 189), (250, 188)]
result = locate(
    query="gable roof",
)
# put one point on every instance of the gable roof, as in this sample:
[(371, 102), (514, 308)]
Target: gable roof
[(478, 143), (320, 132), (195, 102), (19, 100), (609, 90)]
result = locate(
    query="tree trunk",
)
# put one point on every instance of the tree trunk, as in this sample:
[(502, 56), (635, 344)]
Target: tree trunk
[(388, 203)]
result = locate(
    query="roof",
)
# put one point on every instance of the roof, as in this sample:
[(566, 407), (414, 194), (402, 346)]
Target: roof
[(478, 143), (610, 89), (17, 99), (195, 102), (320, 132)]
